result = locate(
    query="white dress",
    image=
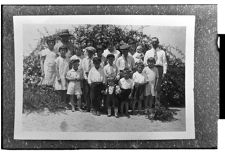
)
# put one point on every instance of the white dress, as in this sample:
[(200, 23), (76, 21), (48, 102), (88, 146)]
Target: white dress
[(49, 66), (63, 67), (151, 74)]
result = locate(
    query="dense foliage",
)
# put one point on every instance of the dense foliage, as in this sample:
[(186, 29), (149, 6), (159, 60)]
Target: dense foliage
[(173, 87)]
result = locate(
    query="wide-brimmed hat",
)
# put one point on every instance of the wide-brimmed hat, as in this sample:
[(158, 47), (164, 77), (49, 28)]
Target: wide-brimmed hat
[(90, 49), (65, 32), (139, 47), (156, 39), (74, 61), (124, 47), (50, 38)]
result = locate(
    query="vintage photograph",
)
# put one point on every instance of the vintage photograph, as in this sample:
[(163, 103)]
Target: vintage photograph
[(104, 77)]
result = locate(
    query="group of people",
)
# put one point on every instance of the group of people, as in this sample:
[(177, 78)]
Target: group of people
[(97, 77)]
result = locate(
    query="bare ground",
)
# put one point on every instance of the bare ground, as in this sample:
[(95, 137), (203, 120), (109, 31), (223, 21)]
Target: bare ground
[(86, 122)]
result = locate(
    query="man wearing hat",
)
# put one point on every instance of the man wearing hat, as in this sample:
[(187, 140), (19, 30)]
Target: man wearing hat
[(126, 60), (161, 62), (47, 62), (87, 64), (99, 51), (96, 80), (65, 36)]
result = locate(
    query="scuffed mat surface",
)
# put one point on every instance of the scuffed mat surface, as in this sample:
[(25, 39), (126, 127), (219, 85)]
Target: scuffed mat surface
[(206, 92)]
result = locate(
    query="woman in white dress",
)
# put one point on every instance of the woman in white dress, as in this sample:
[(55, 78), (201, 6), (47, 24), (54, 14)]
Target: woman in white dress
[(48, 57)]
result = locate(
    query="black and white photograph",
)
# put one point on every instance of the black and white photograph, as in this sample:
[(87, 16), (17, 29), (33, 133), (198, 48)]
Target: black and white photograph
[(117, 77)]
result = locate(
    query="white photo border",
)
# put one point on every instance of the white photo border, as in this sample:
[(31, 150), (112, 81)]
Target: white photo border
[(153, 20)]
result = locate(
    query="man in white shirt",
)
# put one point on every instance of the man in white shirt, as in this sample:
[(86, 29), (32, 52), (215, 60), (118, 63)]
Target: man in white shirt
[(111, 50), (125, 61), (161, 63)]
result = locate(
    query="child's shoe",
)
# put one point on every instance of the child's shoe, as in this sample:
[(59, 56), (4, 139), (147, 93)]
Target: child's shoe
[(128, 116), (116, 115), (73, 109), (79, 109), (98, 113)]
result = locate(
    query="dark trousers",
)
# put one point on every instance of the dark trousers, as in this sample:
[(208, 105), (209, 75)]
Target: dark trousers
[(160, 71), (96, 95), (111, 101), (86, 89)]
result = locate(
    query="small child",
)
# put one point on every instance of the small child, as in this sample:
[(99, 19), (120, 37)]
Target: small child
[(78, 55), (138, 55), (112, 77), (150, 90), (62, 67), (74, 75), (139, 79), (96, 80), (126, 85), (87, 64)]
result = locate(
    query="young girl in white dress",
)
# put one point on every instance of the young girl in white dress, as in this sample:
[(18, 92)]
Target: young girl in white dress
[(62, 67), (150, 91)]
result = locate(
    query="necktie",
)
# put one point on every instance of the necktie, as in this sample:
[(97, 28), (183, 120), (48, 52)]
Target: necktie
[(89, 64), (155, 55), (126, 62), (111, 71)]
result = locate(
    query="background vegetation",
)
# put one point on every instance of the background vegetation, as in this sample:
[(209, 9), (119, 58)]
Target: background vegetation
[(38, 98)]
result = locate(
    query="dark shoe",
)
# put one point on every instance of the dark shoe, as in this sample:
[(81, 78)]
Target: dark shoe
[(98, 113), (108, 115), (94, 112), (128, 116)]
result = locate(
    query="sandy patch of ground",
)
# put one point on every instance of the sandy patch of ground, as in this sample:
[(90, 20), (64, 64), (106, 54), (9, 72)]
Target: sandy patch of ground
[(86, 122)]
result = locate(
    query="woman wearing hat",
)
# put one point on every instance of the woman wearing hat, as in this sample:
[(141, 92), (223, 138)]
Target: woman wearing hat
[(48, 57), (65, 37)]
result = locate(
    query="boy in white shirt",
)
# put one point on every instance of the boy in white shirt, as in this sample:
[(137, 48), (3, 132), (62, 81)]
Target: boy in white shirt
[(112, 77), (96, 80), (139, 79), (74, 76), (126, 85)]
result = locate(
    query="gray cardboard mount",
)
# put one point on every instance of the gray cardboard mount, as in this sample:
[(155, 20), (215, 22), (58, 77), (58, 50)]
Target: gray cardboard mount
[(206, 73)]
